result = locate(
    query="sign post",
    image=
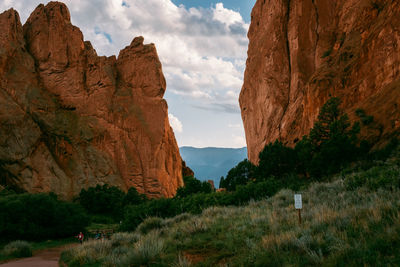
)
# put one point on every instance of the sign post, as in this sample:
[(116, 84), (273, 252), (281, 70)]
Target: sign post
[(298, 205)]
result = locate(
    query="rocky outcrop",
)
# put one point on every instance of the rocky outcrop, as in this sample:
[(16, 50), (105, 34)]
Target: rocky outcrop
[(186, 171), (71, 119), (301, 53)]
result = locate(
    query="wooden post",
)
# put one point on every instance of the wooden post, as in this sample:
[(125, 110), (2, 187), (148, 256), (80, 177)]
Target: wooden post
[(299, 216)]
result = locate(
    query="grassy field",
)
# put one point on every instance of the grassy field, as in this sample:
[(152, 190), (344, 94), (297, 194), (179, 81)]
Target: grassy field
[(354, 220)]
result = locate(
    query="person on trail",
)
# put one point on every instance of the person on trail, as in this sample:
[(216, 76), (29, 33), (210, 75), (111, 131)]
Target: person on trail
[(97, 236), (80, 237)]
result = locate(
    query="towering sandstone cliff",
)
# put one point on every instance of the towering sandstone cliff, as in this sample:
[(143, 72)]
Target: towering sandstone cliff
[(303, 52), (71, 119)]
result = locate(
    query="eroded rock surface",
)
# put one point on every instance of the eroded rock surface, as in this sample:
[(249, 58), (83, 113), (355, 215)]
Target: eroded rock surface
[(301, 53), (71, 119)]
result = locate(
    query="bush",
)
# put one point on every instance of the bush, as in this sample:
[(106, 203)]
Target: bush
[(375, 178), (106, 200), (179, 218), (386, 152), (124, 249), (17, 249), (239, 175), (133, 197), (150, 224), (256, 191), (101, 219), (146, 250), (88, 254), (39, 216), (163, 208), (276, 160), (122, 238), (193, 186)]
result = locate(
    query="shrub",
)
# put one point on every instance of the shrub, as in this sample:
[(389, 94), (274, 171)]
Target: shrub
[(275, 160), (124, 238), (387, 177), (103, 200), (146, 250), (101, 219), (385, 152), (88, 254), (163, 208), (114, 259), (39, 216), (150, 224), (133, 197), (17, 249), (193, 186), (239, 175), (179, 218), (256, 191)]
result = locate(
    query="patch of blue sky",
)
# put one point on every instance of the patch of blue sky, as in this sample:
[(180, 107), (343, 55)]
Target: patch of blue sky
[(244, 7), (107, 35)]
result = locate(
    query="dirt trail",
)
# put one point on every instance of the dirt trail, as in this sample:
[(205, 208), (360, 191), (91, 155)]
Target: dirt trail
[(44, 258)]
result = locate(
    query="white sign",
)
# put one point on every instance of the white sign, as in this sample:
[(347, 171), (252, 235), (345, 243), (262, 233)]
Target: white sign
[(297, 202)]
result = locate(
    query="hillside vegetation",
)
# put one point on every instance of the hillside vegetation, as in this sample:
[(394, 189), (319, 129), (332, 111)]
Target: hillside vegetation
[(352, 220)]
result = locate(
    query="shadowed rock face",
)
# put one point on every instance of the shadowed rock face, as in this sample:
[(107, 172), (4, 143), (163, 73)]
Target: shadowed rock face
[(71, 119), (301, 53)]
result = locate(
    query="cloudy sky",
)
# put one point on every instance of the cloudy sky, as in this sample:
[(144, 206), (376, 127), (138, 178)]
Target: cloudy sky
[(202, 46)]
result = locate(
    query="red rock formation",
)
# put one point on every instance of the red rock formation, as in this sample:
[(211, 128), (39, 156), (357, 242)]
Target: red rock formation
[(186, 171), (71, 119), (301, 53)]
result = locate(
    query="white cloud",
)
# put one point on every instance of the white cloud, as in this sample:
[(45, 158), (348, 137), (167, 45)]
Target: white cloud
[(226, 16), (175, 123)]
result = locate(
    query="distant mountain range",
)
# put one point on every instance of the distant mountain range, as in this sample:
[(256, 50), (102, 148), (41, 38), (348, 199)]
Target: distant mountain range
[(211, 163)]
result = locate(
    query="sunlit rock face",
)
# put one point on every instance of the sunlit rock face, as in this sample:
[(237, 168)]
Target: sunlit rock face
[(301, 53), (71, 119)]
